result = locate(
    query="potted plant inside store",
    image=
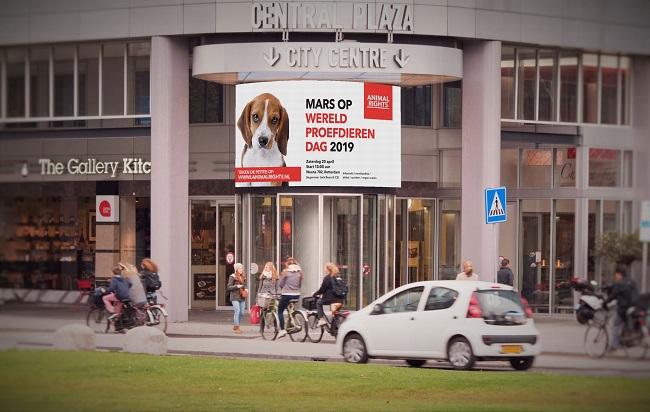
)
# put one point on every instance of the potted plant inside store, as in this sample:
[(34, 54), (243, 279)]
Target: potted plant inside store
[(620, 248)]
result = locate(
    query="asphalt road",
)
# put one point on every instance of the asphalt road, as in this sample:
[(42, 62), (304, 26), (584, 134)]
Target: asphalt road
[(210, 333)]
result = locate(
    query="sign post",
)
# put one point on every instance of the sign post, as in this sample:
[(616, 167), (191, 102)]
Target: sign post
[(495, 211), (644, 236)]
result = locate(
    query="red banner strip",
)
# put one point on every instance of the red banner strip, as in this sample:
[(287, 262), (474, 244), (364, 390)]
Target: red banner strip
[(267, 174)]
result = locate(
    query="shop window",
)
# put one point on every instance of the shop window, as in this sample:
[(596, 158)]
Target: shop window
[(564, 254), (509, 164), (88, 90), (536, 168), (138, 78), (450, 168), (64, 80), (15, 72), (535, 253), (508, 83), (526, 66), (369, 256), (565, 167), (452, 104), (449, 239), (627, 217), (611, 223), (113, 79), (206, 101), (604, 167), (590, 88), (547, 85), (593, 230), (47, 243), (39, 84), (608, 90), (569, 87), (416, 106)]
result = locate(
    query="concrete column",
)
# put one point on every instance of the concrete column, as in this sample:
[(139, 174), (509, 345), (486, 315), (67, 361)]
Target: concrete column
[(169, 170), (481, 154), (127, 230)]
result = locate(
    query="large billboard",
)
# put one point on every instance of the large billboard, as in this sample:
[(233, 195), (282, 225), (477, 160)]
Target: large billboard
[(318, 133)]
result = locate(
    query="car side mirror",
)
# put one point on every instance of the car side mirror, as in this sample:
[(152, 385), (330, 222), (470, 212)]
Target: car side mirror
[(378, 309)]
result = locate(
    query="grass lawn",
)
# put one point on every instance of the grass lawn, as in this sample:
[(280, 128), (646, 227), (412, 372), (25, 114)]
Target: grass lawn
[(98, 381)]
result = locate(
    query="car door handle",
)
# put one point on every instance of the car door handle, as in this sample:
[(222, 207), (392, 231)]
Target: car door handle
[(412, 317)]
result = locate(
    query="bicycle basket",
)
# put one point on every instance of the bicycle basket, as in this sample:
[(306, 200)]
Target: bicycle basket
[(264, 300), (309, 303)]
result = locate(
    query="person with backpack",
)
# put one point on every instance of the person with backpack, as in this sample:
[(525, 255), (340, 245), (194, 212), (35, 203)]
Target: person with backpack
[(150, 278), (289, 284), (332, 290)]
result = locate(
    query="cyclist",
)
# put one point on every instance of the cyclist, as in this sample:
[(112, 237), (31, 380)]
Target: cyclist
[(117, 291), (290, 282), (325, 294), (136, 288), (626, 294)]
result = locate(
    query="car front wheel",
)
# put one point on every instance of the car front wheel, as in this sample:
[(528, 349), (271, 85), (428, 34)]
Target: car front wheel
[(522, 364), (460, 354), (354, 349)]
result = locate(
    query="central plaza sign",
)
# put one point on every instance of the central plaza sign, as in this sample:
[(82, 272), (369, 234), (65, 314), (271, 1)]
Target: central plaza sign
[(332, 16)]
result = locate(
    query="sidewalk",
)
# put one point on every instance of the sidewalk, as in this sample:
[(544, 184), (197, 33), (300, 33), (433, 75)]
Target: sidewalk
[(559, 336)]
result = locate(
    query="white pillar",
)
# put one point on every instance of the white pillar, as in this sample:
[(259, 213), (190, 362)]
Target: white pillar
[(481, 154), (169, 170)]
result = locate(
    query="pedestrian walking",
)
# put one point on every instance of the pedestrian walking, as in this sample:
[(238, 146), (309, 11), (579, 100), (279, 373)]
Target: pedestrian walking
[(468, 272), (505, 275), (238, 294), (290, 283)]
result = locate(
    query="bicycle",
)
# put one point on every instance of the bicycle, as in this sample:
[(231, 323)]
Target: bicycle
[(294, 322), (333, 321), (156, 313), (596, 335)]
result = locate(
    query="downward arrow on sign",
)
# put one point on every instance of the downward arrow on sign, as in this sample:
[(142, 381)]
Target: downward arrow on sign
[(271, 58), (401, 59)]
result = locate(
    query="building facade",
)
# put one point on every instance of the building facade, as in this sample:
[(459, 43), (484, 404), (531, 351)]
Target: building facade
[(134, 103)]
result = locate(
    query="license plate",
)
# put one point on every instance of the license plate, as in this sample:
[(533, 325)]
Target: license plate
[(511, 349)]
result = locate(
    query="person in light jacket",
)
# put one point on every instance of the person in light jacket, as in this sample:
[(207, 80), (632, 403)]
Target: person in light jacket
[(237, 283), (136, 289), (290, 282)]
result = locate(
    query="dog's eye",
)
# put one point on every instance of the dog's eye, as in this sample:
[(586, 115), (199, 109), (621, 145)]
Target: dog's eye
[(274, 120), (256, 118)]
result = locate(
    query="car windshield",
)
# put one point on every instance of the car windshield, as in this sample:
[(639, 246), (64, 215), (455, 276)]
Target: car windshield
[(497, 304)]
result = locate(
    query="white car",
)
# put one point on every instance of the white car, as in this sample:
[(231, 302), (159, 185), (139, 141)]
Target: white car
[(460, 321)]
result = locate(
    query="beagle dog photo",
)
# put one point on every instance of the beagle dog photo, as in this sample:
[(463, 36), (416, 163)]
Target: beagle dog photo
[(264, 125)]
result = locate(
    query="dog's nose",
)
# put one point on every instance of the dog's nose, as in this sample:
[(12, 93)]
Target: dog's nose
[(263, 140)]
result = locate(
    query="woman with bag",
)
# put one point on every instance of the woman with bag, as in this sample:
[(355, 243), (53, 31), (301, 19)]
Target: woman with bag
[(266, 291), (238, 294)]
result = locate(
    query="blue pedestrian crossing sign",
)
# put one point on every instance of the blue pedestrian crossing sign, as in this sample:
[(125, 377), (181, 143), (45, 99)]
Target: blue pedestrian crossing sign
[(495, 205)]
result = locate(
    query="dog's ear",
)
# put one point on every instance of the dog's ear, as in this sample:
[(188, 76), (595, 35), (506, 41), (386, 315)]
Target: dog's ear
[(283, 132), (243, 124)]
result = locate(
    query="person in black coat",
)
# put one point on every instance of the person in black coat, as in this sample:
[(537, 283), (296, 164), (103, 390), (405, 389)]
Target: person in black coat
[(326, 292), (505, 275)]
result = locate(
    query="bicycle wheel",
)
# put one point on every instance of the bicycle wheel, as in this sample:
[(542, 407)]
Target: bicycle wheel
[(159, 319), (268, 325), (596, 341), (298, 327), (314, 332), (97, 320)]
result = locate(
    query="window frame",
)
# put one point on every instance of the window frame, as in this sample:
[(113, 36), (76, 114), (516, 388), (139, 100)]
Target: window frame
[(431, 125), (433, 288), (401, 293)]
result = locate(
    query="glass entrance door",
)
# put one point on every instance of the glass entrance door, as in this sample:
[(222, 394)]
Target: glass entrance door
[(535, 253), (212, 252)]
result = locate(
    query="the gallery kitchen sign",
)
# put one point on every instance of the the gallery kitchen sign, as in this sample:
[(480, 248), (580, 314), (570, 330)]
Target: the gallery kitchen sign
[(90, 166)]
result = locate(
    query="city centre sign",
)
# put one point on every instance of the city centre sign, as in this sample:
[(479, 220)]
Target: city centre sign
[(74, 166), (327, 16)]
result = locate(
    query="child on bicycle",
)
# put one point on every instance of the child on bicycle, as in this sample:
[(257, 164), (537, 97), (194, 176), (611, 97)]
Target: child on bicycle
[(117, 291), (290, 282)]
